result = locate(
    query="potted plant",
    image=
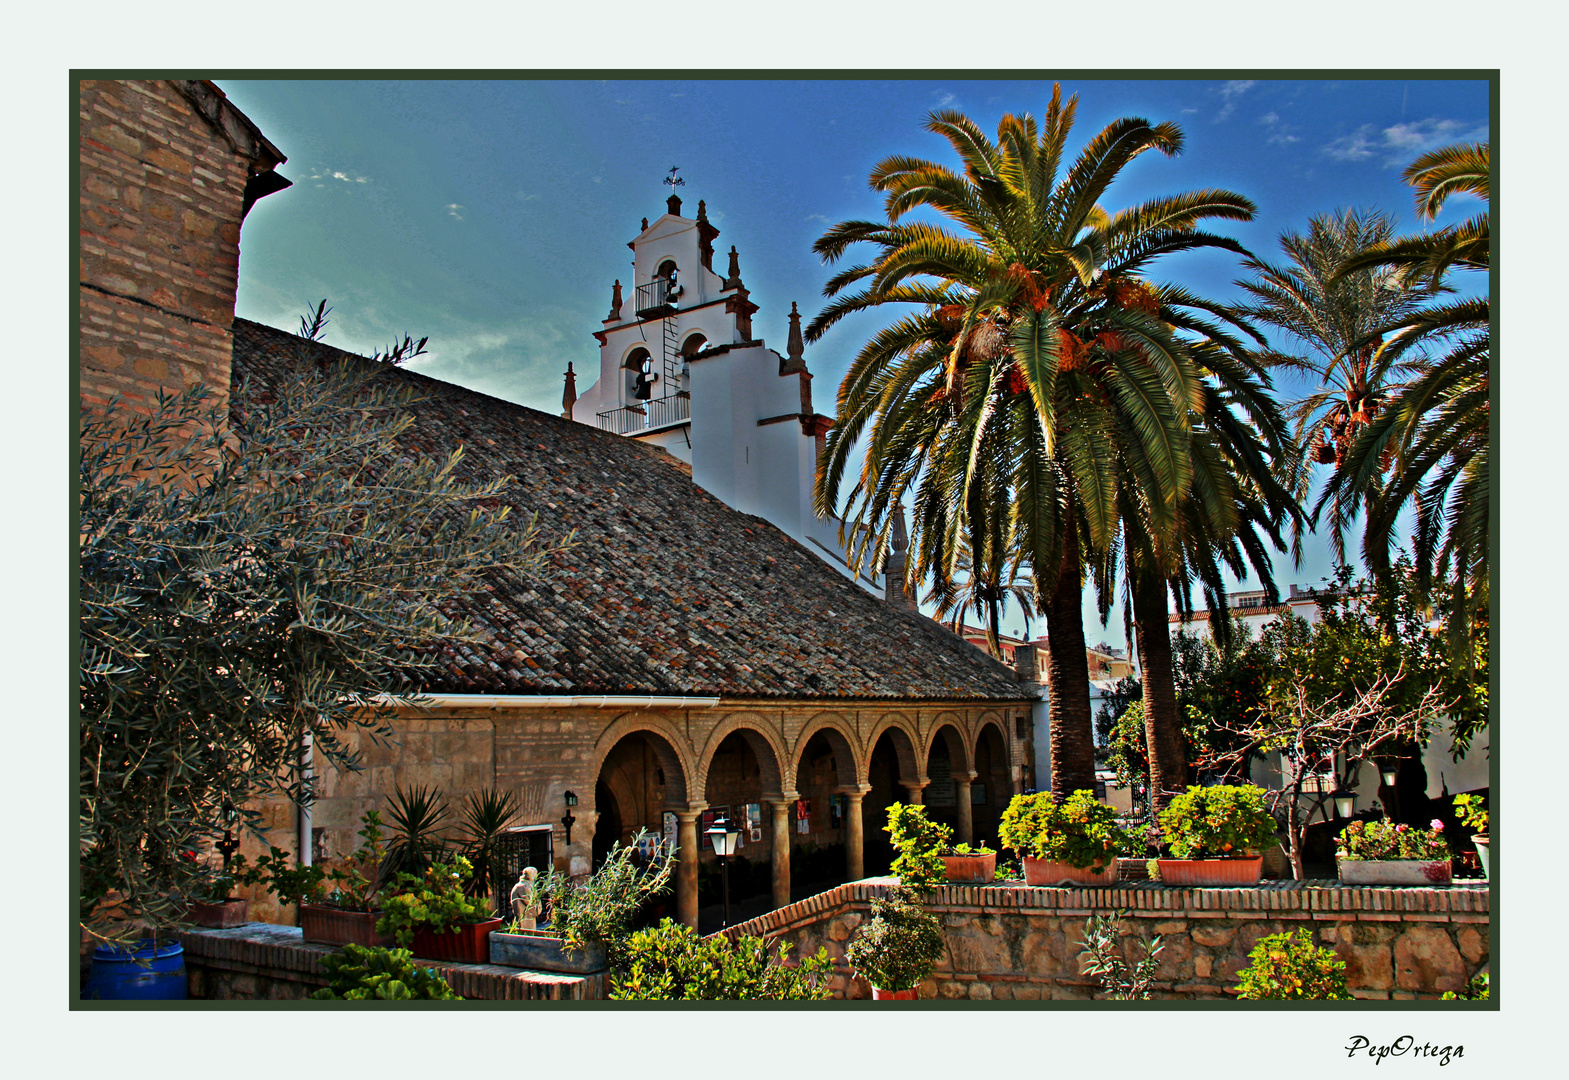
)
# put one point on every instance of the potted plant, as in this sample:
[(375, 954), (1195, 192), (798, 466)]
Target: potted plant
[(290, 884), (927, 858), (1214, 835), (1472, 810), (1075, 843), (348, 912), (1380, 853), (590, 920), (897, 950), (434, 915), (221, 908)]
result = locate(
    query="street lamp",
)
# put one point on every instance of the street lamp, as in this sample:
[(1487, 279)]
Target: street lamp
[(1345, 802), (724, 840)]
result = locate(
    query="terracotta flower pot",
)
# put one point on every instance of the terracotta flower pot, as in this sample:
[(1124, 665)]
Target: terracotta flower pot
[(1212, 873), (970, 869), (468, 943), (1046, 872), (218, 915), (1393, 871), (879, 994), (335, 926)]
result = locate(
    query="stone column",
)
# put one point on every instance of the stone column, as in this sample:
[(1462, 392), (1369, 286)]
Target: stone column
[(914, 793), (855, 834), (781, 845), (961, 792), (686, 866)]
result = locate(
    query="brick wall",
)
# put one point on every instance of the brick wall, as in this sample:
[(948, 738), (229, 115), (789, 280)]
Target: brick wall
[(164, 167), (1020, 943), (270, 963)]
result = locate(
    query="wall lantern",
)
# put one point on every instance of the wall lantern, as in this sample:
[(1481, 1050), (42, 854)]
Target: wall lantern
[(1388, 773), (569, 819), (1345, 802)]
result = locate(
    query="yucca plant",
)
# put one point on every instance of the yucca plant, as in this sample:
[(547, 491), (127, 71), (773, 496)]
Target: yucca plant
[(418, 813), (485, 817)]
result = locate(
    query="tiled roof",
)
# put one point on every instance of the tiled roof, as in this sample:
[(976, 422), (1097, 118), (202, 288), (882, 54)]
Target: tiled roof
[(669, 591)]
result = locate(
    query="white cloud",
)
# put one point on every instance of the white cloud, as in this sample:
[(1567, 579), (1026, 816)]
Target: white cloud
[(1229, 95), (524, 196), (1398, 144), (815, 217), (453, 208), (335, 174), (945, 98)]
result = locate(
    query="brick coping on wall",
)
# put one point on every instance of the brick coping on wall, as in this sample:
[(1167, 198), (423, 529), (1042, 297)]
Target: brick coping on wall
[(1465, 901), (280, 954)]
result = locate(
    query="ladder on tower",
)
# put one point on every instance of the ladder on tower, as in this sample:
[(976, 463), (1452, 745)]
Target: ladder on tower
[(672, 357)]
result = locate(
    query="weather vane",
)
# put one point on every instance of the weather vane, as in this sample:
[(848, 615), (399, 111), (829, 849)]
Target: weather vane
[(673, 180)]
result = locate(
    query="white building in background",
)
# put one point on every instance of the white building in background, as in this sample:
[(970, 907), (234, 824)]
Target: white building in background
[(680, 369)]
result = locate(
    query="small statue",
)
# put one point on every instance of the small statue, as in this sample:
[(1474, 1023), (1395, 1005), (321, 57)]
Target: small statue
[(525, 909)]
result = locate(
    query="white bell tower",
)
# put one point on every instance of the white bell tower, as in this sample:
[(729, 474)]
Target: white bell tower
[(679, 368)]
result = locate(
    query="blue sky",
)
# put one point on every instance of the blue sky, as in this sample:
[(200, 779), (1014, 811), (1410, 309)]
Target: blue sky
[(494, 215)]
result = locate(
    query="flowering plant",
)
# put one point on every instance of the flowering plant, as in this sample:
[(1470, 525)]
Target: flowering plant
[(436, 901), (1082, 832), (1380, 840)]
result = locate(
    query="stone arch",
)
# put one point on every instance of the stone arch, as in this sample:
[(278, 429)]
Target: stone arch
[(991, 719), (905, 740), (848, 752), (670, 747), (631, 365), (693, 343), (767, 746), (950, 729)]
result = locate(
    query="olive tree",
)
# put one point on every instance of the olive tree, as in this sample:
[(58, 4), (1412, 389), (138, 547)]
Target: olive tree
[(286, 567)]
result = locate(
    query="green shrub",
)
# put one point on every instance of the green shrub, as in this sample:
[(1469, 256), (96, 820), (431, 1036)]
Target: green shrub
[(1472, 811), (436, 901), (669, 962), (1290, 966), (920, 843), (604, 906), (1082, 832), (901, 944), (1217, 822), (1477, 989), (359, 973), (1103, 960)]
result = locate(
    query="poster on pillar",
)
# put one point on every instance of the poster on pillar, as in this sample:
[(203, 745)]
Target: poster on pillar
[(672, 836), (803, 816), (836, 805), (754, 822)]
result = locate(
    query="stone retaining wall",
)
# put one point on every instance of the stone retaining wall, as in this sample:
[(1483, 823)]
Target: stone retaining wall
[(1014, 942), (261, 961)]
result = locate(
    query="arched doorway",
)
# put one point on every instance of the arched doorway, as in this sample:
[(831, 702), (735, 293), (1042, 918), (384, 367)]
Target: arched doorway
[(632, 789), (890, 767), (993, 786)]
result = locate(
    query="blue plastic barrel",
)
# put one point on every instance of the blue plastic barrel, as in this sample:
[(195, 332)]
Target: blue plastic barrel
[(150, 973)]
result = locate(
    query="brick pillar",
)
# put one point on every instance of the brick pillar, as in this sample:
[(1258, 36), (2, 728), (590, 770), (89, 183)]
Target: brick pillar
[(781, 845), (855, 835), (686, 866), (961, 792)]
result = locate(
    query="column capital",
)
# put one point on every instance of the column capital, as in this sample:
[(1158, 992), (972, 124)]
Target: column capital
[(854, 791), (689, 812), (785, 797)]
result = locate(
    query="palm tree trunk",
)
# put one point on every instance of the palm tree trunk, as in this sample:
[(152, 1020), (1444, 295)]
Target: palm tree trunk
[(1068, 676), (1162, 723)]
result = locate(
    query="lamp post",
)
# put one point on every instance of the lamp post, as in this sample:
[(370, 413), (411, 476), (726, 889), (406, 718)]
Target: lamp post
[(723, 838), (569, 819)]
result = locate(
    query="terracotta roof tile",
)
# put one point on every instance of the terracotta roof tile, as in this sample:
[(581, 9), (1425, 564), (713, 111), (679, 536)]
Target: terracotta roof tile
[(669, 591)]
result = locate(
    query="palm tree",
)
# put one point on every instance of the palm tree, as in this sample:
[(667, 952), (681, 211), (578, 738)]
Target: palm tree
[(1435, 433), (1338, 317), (1034, 361)]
